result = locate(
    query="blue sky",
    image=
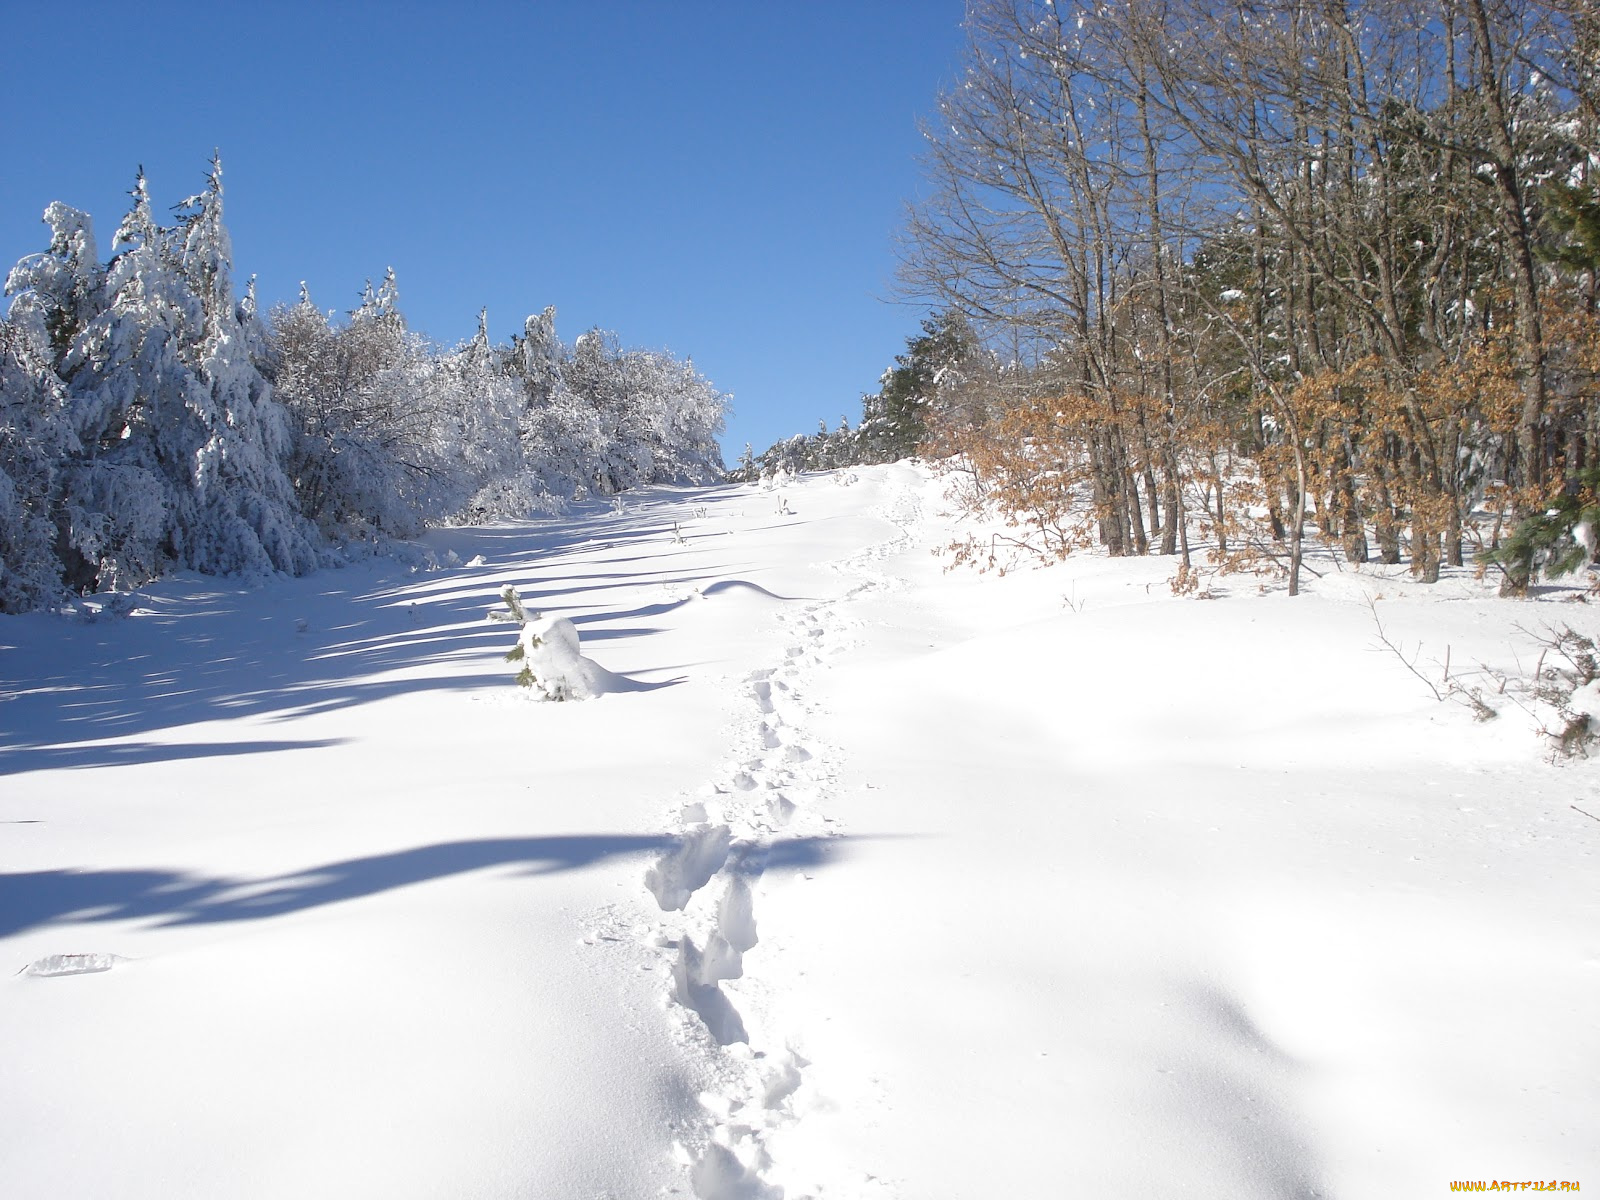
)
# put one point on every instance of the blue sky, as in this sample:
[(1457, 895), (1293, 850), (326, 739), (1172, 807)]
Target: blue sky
[(724, 180)]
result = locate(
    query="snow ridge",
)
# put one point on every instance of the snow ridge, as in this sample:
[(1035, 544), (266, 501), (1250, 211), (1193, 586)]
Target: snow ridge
[(780, 781)]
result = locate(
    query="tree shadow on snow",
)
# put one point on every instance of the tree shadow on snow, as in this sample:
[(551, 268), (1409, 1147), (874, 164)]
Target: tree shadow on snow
[(69, 758), (30, 899), (198, 651)]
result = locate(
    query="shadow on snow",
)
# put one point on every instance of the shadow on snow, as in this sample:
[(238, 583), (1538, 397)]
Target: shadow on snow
[(200, 650), (30, 899)]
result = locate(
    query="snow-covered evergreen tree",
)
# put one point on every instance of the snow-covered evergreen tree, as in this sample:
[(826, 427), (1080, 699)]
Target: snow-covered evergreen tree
[(227, 473), (56, 294), (482, 431), (179, 443), (36, 438)]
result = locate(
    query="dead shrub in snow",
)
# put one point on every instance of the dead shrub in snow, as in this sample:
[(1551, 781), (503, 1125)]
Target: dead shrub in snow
[(1026, 466), (1567, 680)]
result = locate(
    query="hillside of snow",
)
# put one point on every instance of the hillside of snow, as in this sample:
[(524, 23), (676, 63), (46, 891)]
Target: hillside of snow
[(855, 878)]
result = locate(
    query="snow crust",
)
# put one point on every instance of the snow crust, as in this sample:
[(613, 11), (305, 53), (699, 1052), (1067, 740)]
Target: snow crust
[(863, 879)]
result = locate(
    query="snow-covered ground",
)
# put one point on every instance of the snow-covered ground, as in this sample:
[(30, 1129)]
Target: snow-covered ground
[(861, 879)]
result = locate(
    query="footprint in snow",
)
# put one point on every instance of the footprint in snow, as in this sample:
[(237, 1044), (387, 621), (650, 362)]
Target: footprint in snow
[(705, 999), (734, 934), (681, 872), (719, 1175)]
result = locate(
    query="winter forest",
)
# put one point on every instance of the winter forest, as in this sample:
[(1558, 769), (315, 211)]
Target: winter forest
[(1195, 272), (151, 417)]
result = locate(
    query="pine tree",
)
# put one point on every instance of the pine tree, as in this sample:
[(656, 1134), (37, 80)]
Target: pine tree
[(244, 515), (1558, 541), (894, 422)]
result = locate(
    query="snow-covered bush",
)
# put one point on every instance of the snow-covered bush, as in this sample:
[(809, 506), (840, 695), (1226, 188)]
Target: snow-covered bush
[(550, 665)]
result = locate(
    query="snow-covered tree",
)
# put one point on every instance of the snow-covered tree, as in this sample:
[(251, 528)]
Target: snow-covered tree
[(599, 419), (178, 443), (56, 294), (679, 414), (149, 418), (181, 439), (482, 404), (226, 467), (558, 435), (36, 438), (364, 459)]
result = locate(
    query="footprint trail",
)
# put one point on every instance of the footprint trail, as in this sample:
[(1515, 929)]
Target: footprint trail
[(776, 789)]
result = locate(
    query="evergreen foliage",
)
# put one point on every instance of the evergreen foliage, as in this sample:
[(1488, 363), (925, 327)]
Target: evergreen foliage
[(895, 421), (1557, 541), (937, 372), (1572, 216)]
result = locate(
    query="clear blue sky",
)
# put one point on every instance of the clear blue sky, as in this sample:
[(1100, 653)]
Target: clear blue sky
[(724, 180)]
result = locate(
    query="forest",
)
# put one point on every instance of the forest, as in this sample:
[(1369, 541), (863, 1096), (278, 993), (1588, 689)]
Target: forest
[(151, 418), (1248, 273)]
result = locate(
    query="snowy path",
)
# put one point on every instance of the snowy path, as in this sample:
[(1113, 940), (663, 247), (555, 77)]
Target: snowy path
[(880, 883), (781, 778)]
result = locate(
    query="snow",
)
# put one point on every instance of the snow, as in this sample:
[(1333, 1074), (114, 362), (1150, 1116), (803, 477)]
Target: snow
[(867, 879), (1585, 700)]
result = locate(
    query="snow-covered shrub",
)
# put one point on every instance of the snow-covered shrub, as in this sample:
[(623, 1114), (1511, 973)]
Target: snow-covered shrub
[(550, 665)]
